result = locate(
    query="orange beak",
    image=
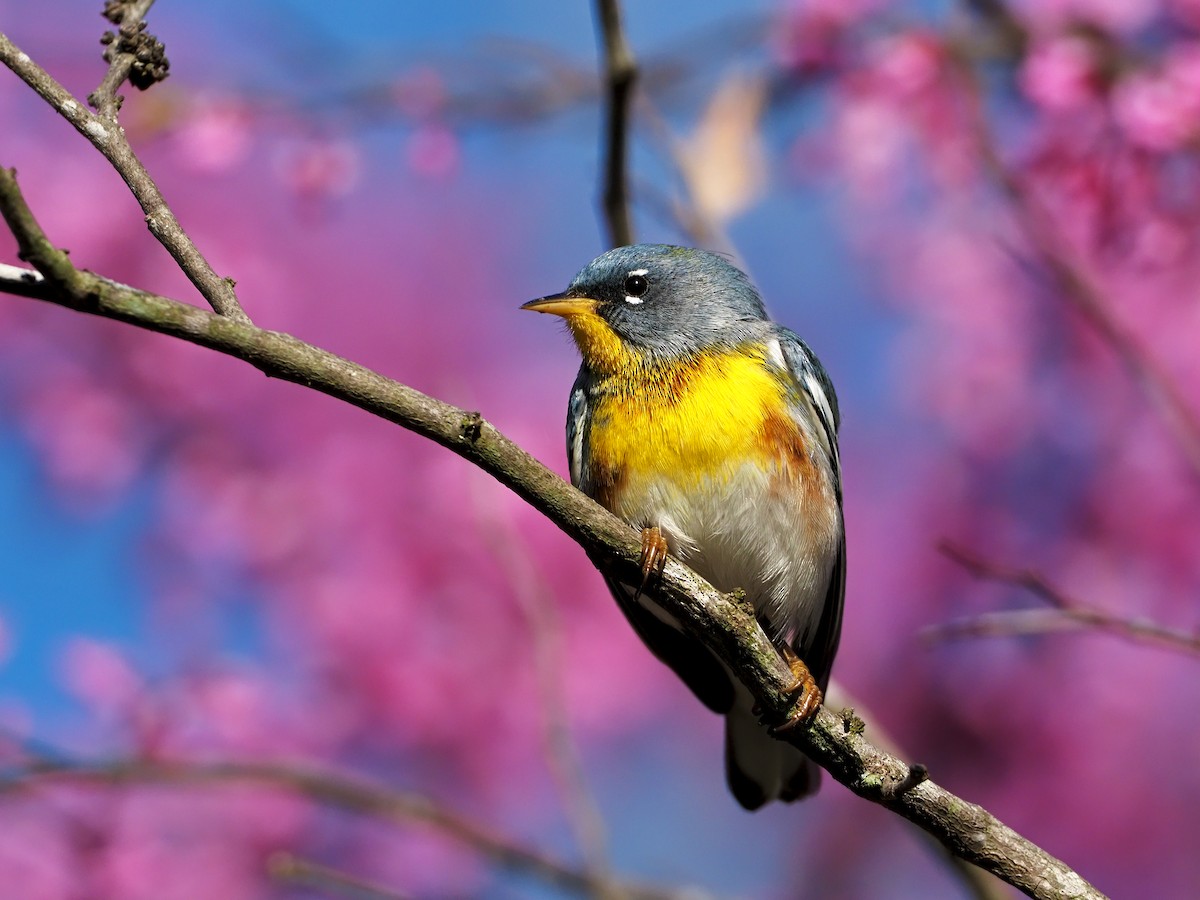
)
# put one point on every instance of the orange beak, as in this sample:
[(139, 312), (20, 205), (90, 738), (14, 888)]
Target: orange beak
[(562, 305)]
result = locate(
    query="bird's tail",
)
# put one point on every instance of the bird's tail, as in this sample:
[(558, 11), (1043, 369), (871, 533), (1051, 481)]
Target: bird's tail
[(759, 767)]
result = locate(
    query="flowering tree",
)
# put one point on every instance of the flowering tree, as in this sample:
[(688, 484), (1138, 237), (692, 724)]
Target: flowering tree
[(425, 652)]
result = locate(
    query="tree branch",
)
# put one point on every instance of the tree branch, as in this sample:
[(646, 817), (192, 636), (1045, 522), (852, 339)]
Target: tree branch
[(720, 621), (305, 873), (1064, 614), (1075, 283), (107, 136), (331, 789), (122, 54), (620, 74), (533, 598)]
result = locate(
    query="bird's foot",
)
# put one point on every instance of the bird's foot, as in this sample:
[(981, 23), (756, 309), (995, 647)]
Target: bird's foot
[(805, 690), (654, 556)]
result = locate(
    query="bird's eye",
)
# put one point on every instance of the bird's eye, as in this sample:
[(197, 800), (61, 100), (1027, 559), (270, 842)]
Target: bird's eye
[(636, 285)]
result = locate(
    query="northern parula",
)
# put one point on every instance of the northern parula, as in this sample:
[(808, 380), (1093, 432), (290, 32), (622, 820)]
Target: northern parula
[(712, 429)]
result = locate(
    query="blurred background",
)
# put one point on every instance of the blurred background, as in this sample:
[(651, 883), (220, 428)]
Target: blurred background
[(982, 216)]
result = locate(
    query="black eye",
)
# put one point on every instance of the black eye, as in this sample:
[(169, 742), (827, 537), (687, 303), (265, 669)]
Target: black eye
[(636, 285)]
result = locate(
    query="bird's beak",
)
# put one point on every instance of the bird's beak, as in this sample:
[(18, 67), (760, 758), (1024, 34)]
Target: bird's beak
[(562, 305)]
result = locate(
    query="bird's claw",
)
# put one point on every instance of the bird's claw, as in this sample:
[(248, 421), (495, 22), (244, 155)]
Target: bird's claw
[(654, 556), (805, 690)]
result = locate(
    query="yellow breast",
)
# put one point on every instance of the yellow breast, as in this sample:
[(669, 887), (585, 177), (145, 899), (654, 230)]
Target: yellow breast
[(695, 420)]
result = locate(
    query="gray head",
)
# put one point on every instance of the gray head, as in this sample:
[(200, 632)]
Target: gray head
[(664, 300)]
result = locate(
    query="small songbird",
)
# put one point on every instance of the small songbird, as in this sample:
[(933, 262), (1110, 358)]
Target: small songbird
[(712, 429)]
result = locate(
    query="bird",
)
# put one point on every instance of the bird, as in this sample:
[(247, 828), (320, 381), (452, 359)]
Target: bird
[(712, 430)]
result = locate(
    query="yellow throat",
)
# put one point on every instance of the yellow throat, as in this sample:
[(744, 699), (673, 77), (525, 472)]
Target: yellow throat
[(698, 417)]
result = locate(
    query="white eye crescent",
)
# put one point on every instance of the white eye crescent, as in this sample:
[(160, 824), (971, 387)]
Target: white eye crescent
[(636, 285)]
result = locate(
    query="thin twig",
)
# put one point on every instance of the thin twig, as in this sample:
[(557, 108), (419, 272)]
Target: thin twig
[(620, 74), (1008, 36), (1064, 614), (533, 597), (300, 872), (331, 789), (718, 620), (127, 16), (1077, 286), (109, 138)]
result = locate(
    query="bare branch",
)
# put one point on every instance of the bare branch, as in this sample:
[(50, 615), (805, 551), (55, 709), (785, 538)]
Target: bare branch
[(533, 597), (300, 872), (1076, 285), (719, 620), (1064, 614), (620, 73), (122, 53), (1008, 34), (329, 788), (109, 138)]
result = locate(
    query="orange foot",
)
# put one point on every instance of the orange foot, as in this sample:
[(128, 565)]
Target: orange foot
[(654, 555), (805, 690)]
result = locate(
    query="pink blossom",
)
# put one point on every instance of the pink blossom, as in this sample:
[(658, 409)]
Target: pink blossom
[(812, 30), (870, 137), (1157, 111), (907, 63), (1060, 74), (320, 168), (89, 439), (98, 674), (433, 151), (215, 134), (1187, 11), (1122, 16)]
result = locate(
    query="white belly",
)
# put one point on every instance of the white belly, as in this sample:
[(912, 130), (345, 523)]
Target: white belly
[(758, 530)]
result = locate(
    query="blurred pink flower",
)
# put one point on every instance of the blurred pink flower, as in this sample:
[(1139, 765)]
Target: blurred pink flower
[(1061, 73), (1123, 16), (35, 852), (215, 133), (907, 63), (1187, 11), (870, 137), (99, 675), (320, 167), (89, 439), (811, 32), (433, 151), (1158, 110)]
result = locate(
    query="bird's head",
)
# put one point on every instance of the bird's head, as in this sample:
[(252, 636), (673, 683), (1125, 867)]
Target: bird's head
[(655, 303)]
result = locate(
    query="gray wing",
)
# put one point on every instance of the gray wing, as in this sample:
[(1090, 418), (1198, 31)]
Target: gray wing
[(689, 659), (819, 403)]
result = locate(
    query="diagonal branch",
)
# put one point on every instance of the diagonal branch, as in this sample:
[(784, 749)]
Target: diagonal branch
[(1063, 614), (304, 873), (1076, 284), (719, 620), (107, 136), (620, 74), (331, 789), (533, 598)]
